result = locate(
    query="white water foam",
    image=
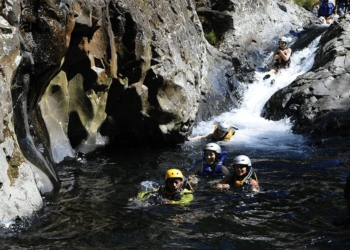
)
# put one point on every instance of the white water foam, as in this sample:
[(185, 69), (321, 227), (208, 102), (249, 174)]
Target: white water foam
[(255, 132)]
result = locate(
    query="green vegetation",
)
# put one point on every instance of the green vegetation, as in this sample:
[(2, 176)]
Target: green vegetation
[(215, 28), (307, 4), (14, 162), (6, 131), (211, 37)]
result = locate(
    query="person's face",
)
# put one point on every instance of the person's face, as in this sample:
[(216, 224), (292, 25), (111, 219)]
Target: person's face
[(282, 45), (240, 170), (221, 133), (174, 184), (210, 156)]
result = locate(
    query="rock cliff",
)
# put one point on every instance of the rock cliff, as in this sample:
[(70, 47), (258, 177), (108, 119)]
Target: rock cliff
[(318, 102), (76, 76)]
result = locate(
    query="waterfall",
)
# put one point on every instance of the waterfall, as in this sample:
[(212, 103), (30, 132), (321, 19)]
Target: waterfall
[(256, 134)]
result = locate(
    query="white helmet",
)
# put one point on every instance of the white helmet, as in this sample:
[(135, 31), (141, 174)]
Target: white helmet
[(213, 147), (242, 160), (224, 126), (283, 39)]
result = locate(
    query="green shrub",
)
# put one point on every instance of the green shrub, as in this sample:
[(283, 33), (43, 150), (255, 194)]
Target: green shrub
[(307, 4), (211, 37)]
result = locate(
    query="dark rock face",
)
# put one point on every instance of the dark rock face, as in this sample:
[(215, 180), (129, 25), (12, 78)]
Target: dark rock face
[(85, 74), (116, 71), (318, 101), (77, 76), (256, 28)]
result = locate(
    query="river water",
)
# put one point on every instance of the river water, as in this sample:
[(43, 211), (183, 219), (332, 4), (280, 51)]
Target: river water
[(301, 191)]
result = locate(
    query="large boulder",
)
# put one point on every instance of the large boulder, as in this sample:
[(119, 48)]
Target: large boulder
[(131, 74)]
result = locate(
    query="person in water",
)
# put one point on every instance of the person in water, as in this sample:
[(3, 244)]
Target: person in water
[(222, 132), (213, 163), (281, 57), (244, 174), (176, 189)]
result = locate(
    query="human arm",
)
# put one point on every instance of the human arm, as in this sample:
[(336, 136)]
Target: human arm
[(192, 178), (275, 55), (199, 137), (255, 185), (223, 184), (285, 54), (144, 195), (196, 170), (225, 170), (185, 199)]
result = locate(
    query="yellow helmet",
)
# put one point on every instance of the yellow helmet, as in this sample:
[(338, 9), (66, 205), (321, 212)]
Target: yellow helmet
[(173, 173)]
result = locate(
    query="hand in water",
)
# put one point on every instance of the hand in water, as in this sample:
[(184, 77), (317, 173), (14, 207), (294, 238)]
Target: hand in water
[(255, 189), (223, 186), (193, 179)]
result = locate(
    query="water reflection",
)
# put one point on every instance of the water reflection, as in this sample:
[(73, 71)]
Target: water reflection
[(296, 205), (301, 193)]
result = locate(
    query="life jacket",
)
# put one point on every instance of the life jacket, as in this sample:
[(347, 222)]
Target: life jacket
[(206, 170), (186, 188), (236, 182), (326, 9), (227, 137)]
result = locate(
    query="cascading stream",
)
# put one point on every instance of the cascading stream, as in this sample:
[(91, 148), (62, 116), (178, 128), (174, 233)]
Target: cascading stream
[(255, 133)]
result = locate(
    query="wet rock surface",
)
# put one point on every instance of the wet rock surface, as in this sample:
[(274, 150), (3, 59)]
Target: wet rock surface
[(78, 76), (319, 100)]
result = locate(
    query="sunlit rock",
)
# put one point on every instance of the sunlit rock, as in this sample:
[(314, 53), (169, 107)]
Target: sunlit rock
[(54, 107), (256, 29), (19, 194), (321, 95)]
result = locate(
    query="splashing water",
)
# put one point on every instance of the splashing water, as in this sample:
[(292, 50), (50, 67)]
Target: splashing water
[(256, 133)]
